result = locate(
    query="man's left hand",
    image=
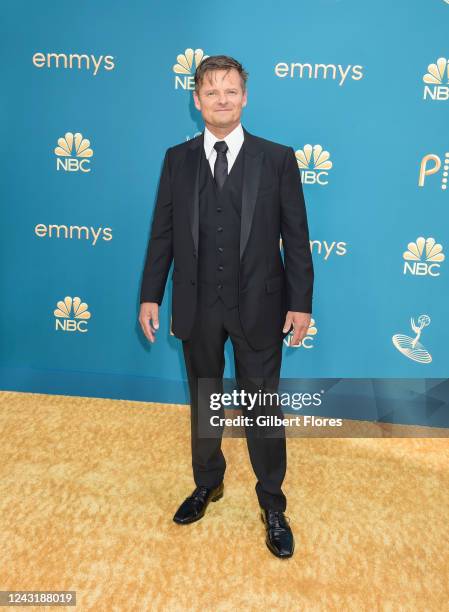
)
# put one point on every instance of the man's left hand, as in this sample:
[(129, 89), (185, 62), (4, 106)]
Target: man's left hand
[(301, 322)]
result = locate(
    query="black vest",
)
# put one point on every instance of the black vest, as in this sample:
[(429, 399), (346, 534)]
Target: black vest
[(219, 232)]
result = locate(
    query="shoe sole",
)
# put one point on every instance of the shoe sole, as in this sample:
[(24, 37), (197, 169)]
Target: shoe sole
[(271, 549), (200, 516)]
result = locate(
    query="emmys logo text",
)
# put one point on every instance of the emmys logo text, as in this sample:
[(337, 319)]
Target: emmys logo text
[(318, 71), (73, 61)]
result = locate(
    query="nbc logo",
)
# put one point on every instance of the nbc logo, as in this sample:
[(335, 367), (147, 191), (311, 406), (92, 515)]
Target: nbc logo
[(313, 163), (186, 65), (307, 341), (423, 257), (437, 79), (73, 153), (411, 347), (71, 315), (431, 164)]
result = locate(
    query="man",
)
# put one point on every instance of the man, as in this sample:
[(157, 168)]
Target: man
[(225, 198)]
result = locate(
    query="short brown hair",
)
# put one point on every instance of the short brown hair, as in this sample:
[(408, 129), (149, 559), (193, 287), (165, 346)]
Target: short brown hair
[(218, 62)]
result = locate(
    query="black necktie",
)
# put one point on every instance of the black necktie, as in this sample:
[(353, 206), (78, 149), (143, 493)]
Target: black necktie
[(221, 163)]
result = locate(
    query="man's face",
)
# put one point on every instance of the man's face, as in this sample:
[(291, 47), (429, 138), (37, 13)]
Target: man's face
[(221, 98)]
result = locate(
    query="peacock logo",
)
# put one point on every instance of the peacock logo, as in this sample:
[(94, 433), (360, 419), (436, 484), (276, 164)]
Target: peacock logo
[(423, 257), (436, 80), (71, 315), (314, 163), (73, 153), (184, 69)]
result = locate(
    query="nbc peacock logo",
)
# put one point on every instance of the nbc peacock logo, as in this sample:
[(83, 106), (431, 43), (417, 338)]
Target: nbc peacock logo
[(436, 80), (432, 164), (71, 315), (73, 153), (423, 257), (314, 163), (184, 69), (307, 341), (412, 347)]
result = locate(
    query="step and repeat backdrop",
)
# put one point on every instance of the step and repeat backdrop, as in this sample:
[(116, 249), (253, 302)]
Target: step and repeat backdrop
[(92, 95)]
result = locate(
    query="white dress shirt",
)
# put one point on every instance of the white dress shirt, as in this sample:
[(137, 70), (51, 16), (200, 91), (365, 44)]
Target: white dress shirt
[(234, 140)]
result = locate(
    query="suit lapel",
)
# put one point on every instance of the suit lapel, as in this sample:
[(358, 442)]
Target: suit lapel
[(252, 168), (192, 186)]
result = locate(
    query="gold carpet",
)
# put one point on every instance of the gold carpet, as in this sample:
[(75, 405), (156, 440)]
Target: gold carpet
[(89, 486)]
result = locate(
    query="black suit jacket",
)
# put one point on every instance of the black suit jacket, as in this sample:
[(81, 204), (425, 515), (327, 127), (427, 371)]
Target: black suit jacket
[(272, 207)]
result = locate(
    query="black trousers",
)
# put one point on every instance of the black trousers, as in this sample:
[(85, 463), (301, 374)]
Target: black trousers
[(255, 370)]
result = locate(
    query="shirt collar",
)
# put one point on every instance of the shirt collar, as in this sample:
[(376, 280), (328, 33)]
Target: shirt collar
[(234, 141)]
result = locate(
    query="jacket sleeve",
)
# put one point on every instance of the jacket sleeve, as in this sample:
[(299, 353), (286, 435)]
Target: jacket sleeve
[(295, 238), (160, 244)]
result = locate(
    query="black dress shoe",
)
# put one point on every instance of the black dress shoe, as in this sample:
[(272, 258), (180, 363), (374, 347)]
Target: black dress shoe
[(279, 535), (194, 506)]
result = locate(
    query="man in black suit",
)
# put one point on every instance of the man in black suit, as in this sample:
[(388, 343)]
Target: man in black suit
[(224, 200)]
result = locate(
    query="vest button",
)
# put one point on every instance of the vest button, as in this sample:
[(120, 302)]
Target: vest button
[(219, 228), (219, 209), (220, 249), (220, 268), (219, 286)]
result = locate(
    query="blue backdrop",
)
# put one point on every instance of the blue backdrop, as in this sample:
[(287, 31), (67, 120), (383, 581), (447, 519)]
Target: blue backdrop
[(92, 96)]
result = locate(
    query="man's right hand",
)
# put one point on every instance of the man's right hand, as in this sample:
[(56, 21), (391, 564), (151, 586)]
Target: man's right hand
[(149, 311)]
